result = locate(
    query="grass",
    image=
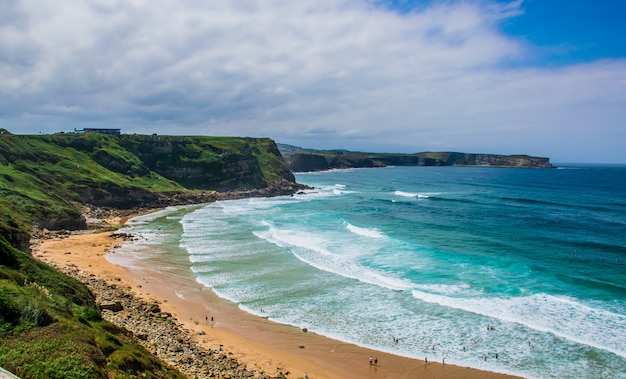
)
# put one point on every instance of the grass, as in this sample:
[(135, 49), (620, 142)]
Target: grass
[(50, 327), (45, 178)]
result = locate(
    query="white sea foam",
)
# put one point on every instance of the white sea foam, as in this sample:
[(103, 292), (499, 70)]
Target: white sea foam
[(340, 189), (180, 294), (245, 206), (558, 315), (217, 290), (253, 311), (146, 218), (405, 194), (411, 194), (446, 289), (312, 249), (365, 232), (197, 269)]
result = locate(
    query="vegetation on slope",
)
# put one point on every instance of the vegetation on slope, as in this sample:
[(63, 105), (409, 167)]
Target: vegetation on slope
[(49, 324), (45, 178), (50, 327)]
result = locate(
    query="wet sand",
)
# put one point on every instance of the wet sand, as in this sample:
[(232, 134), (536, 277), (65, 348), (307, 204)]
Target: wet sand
[(252, 340)]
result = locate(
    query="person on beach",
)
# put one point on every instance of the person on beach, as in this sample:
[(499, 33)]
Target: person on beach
[(371, 360), (376, 361), (306, 375)]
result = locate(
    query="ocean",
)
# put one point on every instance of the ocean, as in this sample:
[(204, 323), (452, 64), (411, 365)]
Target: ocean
[(519, 271)]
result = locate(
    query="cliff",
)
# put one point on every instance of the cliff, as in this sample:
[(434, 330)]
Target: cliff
[(46, 179), (303, 160)]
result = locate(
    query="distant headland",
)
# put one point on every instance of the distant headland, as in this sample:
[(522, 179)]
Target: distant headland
[(304, 160)]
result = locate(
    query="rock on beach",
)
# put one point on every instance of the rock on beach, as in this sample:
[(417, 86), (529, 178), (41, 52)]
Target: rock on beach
[(162, 334)]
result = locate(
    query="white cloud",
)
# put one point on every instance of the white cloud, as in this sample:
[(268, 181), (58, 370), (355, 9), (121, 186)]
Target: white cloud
[(348, 73)]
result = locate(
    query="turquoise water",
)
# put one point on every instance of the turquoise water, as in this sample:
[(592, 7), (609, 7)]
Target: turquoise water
[(510, 270)]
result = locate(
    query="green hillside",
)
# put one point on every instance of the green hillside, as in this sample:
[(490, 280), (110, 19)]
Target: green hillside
[(50, 326), (45, 178)]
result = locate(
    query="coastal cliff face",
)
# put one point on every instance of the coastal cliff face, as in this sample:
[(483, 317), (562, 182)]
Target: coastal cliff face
[(510, 161), (310, 160), (45, 179), (51, 181), (206, 163), (211, 163)]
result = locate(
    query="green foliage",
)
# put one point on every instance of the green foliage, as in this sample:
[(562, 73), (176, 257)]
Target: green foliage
[(108, 343), (132, 359), (36, 295), (9, 309), (54, 352), (44, 178), (86, 314), (7, 252), (51, 328), (67, 289), (64, 367)]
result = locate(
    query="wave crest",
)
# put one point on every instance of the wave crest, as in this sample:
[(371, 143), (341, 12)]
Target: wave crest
[(411, 194), (558, 315), (365, 232)]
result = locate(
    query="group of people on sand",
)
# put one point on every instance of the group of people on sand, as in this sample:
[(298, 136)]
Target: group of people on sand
[(373, 361)]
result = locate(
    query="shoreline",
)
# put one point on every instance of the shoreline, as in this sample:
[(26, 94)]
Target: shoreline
[(252, 340)]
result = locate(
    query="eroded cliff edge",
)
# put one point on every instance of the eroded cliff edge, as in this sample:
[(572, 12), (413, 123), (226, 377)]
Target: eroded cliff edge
[(46, 180)]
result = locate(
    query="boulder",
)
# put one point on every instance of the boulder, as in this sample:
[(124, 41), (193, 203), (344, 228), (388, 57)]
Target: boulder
[(113, 306)]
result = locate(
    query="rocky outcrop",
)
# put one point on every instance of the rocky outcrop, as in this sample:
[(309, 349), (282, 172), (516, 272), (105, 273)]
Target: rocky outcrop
[(141, 201), (308, 162), (71, 222), (19, 239)]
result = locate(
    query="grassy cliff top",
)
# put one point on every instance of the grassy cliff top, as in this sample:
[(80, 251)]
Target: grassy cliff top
[(45, 178)]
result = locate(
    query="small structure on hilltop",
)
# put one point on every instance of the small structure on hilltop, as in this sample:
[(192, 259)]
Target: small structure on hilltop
[(114, 132)]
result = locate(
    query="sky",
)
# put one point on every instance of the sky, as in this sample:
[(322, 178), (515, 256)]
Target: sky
[(538, 77)]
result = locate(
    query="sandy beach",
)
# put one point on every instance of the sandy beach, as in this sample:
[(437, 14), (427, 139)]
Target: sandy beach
[(253, 341)]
